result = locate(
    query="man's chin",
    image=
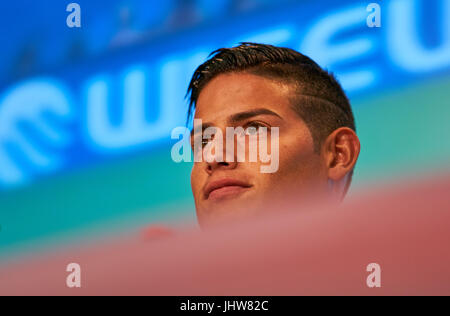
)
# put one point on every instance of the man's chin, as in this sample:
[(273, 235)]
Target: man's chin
[(227, 210)]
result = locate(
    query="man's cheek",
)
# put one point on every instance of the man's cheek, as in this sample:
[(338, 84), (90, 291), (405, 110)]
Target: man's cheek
[(198, 180), (194, 180)]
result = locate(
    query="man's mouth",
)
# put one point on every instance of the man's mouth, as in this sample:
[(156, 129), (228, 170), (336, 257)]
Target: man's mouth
[(225, 188)]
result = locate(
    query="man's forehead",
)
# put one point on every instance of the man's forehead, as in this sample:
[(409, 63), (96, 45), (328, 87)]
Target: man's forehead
[(228, 94), (226, 113)]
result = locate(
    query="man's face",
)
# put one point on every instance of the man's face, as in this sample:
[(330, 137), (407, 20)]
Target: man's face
[(240, 188)]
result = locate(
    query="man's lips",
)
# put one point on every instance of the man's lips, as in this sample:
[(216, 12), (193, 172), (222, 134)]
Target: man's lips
[(223, 187)]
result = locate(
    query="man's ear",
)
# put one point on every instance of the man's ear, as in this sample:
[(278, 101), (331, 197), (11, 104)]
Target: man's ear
[(341, 150)]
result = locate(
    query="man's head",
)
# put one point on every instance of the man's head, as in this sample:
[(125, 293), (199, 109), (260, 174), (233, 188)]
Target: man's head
[(255, 85)]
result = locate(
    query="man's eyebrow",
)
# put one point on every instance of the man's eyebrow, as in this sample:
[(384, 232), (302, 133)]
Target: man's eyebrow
[(251, 113), (240, 117)]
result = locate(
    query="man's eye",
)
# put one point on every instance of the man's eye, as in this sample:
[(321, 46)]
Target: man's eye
[(205, 142), (201, 141), (254, 128), (251, 131)]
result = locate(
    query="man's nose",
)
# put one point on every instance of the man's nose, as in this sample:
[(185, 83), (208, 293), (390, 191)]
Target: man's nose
[(224, 160), (213, 166)]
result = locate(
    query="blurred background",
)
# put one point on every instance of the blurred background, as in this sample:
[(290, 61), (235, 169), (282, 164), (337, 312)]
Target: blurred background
[(86, 113)]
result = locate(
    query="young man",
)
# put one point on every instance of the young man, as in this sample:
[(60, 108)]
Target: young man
[(300, 107)]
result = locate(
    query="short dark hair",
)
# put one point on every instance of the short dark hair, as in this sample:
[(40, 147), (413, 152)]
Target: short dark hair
[(319, 99)]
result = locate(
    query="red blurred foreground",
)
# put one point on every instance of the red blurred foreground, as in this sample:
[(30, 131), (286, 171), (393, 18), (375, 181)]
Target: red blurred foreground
[(320, 251)]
